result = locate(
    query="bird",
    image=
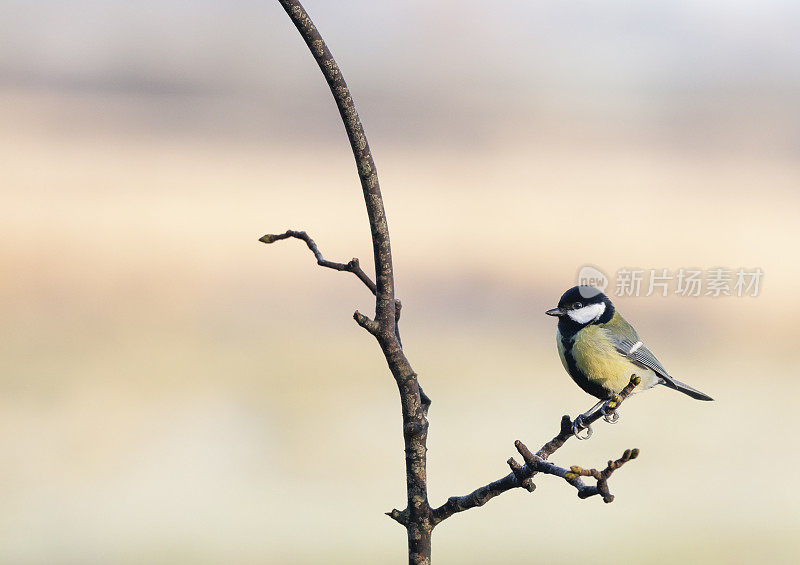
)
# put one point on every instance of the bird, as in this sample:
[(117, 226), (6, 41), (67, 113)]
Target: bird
[(601, 351)]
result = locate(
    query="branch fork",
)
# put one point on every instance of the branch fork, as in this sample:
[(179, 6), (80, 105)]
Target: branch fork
[(601, 476)]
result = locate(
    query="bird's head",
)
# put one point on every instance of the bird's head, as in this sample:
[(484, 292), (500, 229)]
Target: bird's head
[(583, 305)]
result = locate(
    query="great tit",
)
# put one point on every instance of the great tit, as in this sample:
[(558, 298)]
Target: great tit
[(601, 351)]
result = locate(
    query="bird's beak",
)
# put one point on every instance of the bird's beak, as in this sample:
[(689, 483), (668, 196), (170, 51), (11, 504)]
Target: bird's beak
[(555, 312)]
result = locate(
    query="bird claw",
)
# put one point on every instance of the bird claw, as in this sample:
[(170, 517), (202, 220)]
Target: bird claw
[(577, 426), (611, 417)]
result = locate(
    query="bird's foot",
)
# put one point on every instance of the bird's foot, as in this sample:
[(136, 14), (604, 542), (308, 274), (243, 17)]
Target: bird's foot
[(578, 426), (609, 409)]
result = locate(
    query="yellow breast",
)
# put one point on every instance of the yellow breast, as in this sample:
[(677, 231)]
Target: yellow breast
[(600, 361)]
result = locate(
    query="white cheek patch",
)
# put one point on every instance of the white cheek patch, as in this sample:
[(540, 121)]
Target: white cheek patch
[(587, 313)]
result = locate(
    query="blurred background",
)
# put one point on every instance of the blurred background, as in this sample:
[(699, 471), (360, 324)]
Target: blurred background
[(174, 391)]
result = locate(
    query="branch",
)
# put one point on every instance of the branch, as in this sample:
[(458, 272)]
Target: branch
[(600, 476), (414, 403), (572, 476), (521, 475), (352, 266), (368, 174), (585, 420)]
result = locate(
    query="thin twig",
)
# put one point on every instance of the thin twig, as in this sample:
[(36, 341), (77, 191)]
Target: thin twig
[(352, 266), (573, 474), (601, 476)]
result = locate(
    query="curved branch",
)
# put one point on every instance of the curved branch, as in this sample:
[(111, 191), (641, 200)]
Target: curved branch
[(414, 403), (384, 276)]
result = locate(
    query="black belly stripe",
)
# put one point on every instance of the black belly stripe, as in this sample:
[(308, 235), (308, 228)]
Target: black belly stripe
[(580, 378)]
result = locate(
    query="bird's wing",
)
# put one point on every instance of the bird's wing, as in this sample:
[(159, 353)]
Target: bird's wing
[(627, 342), (638, 353)]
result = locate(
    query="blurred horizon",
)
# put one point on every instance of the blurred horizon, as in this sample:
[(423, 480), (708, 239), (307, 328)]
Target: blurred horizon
[(657, 69), (174, 391)]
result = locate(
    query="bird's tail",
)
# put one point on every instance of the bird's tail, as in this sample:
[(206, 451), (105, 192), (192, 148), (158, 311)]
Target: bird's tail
[(685, 389)]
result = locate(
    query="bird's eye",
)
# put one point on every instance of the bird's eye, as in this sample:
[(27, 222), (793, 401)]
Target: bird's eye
[(577, 305)]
